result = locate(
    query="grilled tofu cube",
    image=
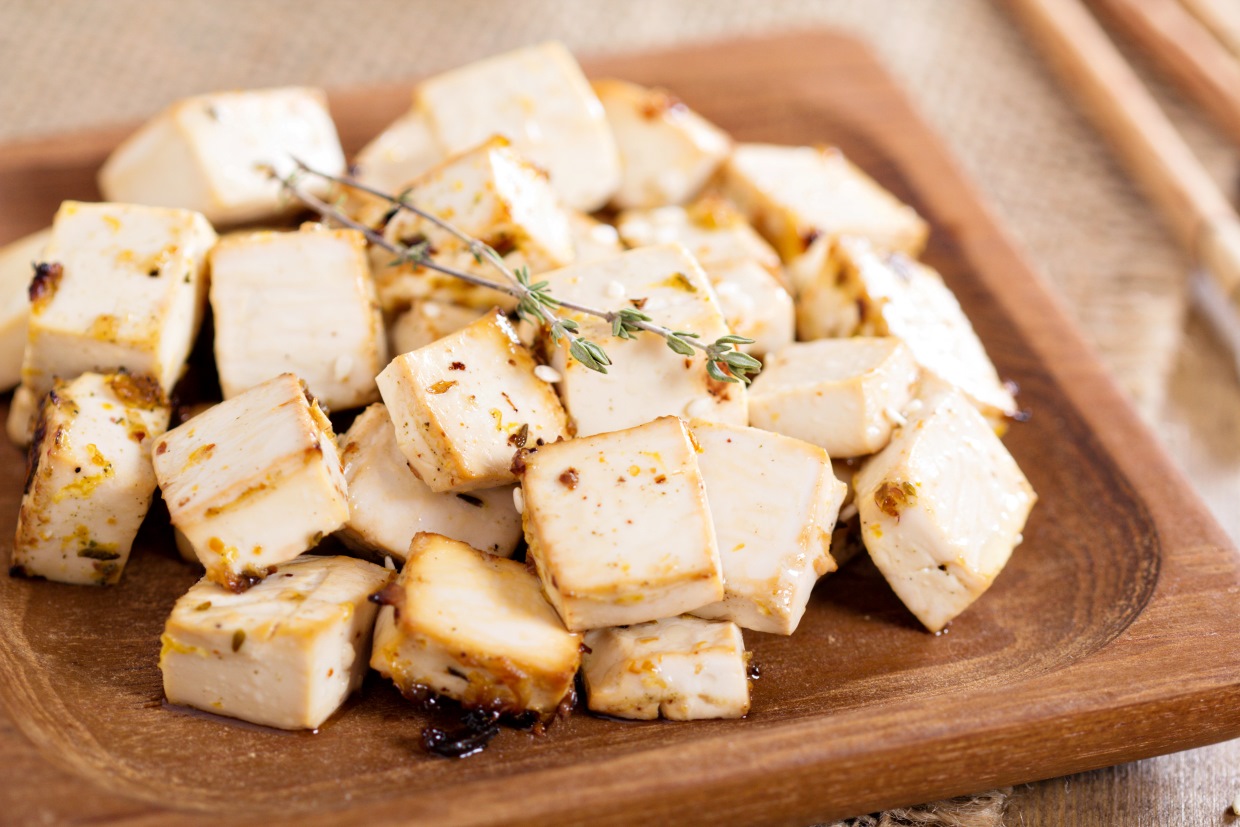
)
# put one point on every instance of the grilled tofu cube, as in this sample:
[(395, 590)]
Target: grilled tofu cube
[(213, 153), (619, 528), (284, 654), (774, 501), (942, 507), (711, 229), (793, 195), (398, 154), (388, 504), (476, 628), (667, 151), (90, 481), (755, 305), (843, 394), (253, 481), (426, 322), (121, 287), (743, 268), (300, 302), (592, 239), (17, 268), (490, 193), (669, 286), (538, 98), (897, 296), (682, 668), (463, 405)]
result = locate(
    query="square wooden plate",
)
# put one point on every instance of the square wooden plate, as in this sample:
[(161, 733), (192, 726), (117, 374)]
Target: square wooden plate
[(1111, 636)]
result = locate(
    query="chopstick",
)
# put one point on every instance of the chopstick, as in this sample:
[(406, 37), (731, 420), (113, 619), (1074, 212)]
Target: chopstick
[(1188, 51), (1220, 18), (1156, 155)]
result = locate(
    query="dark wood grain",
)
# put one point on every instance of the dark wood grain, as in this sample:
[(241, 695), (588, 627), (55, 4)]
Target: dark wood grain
[(1111, 636)]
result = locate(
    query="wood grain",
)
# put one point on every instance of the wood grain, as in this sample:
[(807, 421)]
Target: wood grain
[(1075, 659)]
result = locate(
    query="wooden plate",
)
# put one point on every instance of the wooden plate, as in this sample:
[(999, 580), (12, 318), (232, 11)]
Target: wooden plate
[(1111, 636)]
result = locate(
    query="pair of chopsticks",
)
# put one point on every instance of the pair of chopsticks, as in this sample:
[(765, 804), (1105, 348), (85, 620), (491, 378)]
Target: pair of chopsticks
[(1193, 206)]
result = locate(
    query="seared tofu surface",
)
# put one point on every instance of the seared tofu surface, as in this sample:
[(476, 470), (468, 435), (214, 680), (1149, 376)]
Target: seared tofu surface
[(284, 654)]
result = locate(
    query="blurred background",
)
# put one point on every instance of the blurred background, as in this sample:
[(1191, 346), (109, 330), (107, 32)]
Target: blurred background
[(72, 65)]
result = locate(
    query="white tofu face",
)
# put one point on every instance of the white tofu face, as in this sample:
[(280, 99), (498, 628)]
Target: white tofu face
[(667, 151), (774, 501), (538, 98), (755, 305), (942, 507), (22, 409), (302, 303), (123, 287), (17, 268), (904, 298), (398, 154), (793, 195), (208, 153), (845, 395), (254, 481), (712, 230), (619, 528), (592, 239), (492, 194), (426, 322), (463, 405), (476, 628), (284, 654), (389, 505), (674, 291), (90, 483), (682, 668)]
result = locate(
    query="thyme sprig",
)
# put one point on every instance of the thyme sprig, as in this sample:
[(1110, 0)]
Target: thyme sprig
[(535, 303)]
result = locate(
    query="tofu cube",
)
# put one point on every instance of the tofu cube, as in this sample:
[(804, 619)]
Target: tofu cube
[(492, 194), (793, 195), (538, 98), (619, 528), (476, 628), (389, 505), (426, 322), (755, 305), (774, 501), (711, 229), (398, 154), (21, 420), (121, 287), (212, 154), (682, 668), (284, 654), (743, 268), (667, 151), (90, 482), (300, 302), (845, 395), (17, 267), (592, 239), (897, 296), (827, 296), (942, 507), (253, 481), (667, 283), (463, 405)]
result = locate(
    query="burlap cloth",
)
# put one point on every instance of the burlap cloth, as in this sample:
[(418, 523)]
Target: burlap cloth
[(70, 64)]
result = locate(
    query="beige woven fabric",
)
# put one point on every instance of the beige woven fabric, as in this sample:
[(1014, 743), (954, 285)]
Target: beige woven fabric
[(69, 64)]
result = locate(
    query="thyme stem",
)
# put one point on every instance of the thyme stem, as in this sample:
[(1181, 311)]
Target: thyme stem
[(534, 303)]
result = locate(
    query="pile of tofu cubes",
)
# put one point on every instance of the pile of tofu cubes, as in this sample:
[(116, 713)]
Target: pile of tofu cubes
[(659, 511)]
